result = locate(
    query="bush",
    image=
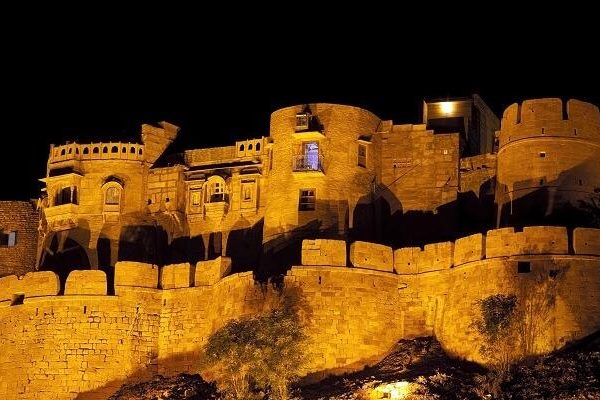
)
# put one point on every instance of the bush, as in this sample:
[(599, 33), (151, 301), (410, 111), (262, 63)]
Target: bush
[(261, 355)]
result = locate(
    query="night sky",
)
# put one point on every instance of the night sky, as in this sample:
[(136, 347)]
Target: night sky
[(220, 93)]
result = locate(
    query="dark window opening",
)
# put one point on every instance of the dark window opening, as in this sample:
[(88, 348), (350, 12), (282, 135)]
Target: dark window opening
[(553, 273), (241, 147), (523, 267), (541, 181), (132, 150), (580, 182), (362, 155), (114, 149), (67, 195), (8, 239), (86, 150), (62, 152), (250, 147), (542, 154), (96, 150), (17, 299), (105, 149), (307, 200), (258, 146)]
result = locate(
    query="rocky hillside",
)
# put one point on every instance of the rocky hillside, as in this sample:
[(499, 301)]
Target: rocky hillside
[(418, 369)]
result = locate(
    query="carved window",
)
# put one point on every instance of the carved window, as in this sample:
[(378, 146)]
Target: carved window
[(216, 190), (8, 239), (195, 197), (67, 195), (307, 201), (247, 191), (112, 196), (362, 156)]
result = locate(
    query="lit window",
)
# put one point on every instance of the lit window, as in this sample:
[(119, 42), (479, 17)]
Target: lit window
[(309, 157), (362, 155), (307, 200), (8, 239), (112, 196)]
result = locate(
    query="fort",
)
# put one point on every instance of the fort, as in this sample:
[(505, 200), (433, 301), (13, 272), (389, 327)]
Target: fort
[(132, 257)]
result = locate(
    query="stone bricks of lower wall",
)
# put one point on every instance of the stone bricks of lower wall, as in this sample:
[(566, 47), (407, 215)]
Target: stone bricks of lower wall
[(136, 274), (324, 252), (176, 276), (86, 282), (32, 284), (372, 256), (212, 271), (433, 257), (533, 240), (586, 241), (470, 248)]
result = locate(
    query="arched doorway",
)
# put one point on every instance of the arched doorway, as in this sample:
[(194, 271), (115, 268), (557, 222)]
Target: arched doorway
[(63, 258)]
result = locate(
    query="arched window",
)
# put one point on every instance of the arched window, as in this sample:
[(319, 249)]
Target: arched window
[(132, 150), (216, 190), (124, 150), (114, 149), (250, 147), (96, 150), (105, 149), (112, 196), (62, 152), (241, 147), (257, 146), (140, 152), (86, 150)]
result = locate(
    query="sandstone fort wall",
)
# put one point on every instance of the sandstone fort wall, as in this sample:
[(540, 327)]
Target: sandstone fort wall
[(54, 347)]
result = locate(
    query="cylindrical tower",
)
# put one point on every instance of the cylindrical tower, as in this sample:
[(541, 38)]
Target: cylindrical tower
[(323, 163), (548, 163)]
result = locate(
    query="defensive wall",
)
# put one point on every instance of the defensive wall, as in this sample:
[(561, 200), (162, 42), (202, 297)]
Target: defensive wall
[(360, 299)]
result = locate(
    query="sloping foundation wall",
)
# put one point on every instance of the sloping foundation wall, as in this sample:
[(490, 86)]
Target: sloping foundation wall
[(86, 343)]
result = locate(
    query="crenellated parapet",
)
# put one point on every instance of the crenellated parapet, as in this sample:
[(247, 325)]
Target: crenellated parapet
[(125, 151), (496, 243), (540, 118)]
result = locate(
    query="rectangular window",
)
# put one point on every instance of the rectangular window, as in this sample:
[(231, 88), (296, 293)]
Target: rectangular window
[(362, 155), (195, 197), (247, 189), (307, 200), (8, 239), (542, 154), (301, 122), (523, 267)]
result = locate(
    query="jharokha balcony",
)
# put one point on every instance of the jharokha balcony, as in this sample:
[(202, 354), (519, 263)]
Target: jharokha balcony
[(63, 216)]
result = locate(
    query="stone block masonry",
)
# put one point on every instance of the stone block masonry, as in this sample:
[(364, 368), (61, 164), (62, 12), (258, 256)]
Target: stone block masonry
[(87, 344), (372, 256), (324, 252)]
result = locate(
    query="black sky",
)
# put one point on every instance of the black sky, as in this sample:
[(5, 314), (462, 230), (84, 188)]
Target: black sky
[(57, 88)]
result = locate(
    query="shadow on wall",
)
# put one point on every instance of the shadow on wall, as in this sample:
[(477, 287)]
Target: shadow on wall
[(540, 202), (63, 252)]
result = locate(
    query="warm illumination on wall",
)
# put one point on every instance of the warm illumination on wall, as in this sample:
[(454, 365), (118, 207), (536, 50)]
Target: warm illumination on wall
[(447, 107), (396, 391)]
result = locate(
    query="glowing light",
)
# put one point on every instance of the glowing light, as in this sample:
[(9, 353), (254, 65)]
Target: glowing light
[(395, 391), (447, 107)]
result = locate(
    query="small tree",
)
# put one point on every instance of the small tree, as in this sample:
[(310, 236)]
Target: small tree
[(265, 351), (497, 327)]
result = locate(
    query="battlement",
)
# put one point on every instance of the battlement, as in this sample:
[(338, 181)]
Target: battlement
[(96, 151), (243, 150), (497, 243), (546, 118)]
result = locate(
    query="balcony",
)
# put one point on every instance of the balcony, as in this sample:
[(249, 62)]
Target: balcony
[(218, 206), (62, 217), (308, 163)]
